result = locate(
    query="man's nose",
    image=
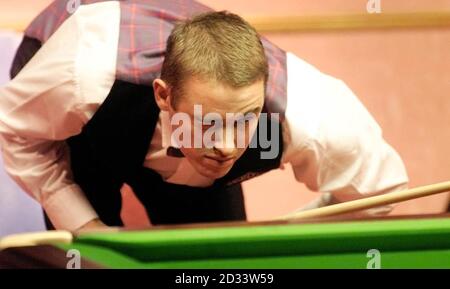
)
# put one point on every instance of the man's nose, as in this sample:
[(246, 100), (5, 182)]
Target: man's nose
[(227, 146), (225, 152)]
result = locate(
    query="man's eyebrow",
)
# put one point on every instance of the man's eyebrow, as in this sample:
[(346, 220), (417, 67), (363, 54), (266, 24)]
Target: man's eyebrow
[(253, 110)]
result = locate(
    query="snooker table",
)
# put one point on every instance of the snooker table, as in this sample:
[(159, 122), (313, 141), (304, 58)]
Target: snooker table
[(403, 242)]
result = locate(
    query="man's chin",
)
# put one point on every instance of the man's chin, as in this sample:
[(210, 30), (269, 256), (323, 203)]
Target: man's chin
[(214, 174)]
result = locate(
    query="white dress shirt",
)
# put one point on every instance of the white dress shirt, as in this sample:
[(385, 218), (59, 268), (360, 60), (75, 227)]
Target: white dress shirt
[(331, 140)]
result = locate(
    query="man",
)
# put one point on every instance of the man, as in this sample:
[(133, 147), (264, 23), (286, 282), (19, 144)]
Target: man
[(100, 95)]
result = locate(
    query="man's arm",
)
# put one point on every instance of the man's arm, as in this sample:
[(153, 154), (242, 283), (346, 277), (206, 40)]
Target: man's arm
[(49, 101), (335, 146), (42, 169)]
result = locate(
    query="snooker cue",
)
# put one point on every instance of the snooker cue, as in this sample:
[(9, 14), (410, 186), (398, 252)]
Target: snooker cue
[(370, 202)]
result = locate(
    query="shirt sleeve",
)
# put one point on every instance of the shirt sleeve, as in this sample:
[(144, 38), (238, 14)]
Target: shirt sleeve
[(50, 100), (334, 145)]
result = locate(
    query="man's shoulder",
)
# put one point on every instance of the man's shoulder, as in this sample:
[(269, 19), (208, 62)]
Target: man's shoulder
[(303, 74), (58, 12), (324, 112)]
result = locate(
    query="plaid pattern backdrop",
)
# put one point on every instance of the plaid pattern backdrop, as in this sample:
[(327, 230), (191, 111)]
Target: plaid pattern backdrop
[(144, 28)]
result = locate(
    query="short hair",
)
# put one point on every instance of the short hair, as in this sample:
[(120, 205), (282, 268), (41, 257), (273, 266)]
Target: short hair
[(218, 46)]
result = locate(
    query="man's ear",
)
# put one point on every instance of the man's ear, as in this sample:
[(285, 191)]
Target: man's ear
[(162, 94)]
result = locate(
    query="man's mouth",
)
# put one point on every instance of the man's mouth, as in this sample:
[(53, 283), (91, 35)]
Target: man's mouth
[(221, 161)]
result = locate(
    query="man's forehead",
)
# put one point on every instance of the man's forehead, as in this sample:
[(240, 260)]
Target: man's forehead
[(214, 96)]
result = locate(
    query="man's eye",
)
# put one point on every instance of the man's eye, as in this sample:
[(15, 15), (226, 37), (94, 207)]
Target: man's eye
[(251, 117), (209, 122), (241, 123), (207, 125)]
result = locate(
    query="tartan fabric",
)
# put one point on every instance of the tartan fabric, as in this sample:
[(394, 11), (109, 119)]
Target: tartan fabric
[(144, 28)]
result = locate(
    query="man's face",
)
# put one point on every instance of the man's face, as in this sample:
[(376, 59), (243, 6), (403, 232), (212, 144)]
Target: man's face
[(216, 145)]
